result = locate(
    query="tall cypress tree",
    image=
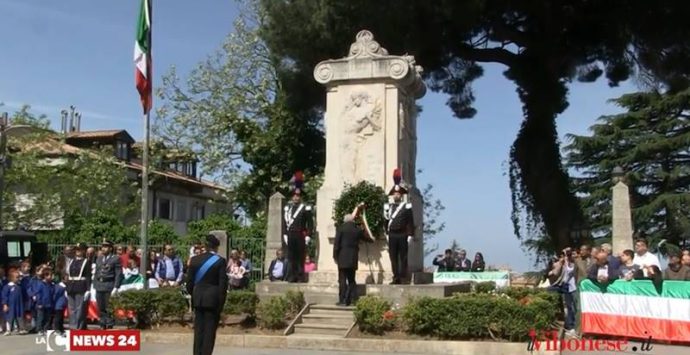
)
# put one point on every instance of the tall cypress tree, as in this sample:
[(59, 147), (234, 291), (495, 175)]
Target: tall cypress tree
[(651, 142)]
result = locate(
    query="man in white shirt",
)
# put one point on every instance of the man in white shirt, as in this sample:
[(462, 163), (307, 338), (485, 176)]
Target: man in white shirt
[(643, 257)]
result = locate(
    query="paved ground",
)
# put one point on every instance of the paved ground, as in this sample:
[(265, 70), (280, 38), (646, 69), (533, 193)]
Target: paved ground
[(657, 349), (25, 345)]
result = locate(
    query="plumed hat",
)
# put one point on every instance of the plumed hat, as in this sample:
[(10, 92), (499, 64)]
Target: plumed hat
[(298, 183), (397, 178)]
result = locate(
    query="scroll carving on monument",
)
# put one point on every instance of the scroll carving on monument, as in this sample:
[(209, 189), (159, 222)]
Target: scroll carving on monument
[(362, 120)]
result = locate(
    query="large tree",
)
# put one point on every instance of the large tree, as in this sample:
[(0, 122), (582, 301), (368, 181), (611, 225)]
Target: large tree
[(651, 142), (544, 45), (231, 111)]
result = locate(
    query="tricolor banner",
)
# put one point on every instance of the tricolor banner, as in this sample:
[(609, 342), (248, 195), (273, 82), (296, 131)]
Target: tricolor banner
[(501, 278), (142, 56), (637, 309)]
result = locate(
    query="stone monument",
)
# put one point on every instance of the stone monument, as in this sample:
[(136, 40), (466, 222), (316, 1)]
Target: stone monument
[(370, 123), (622, 234), (274, 232)]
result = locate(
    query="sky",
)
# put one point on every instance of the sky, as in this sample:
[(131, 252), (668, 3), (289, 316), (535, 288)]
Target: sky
[(60, 53)]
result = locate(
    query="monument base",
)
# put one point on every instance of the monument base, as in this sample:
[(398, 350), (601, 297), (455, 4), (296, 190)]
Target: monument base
[(377, 277), (328, 293)]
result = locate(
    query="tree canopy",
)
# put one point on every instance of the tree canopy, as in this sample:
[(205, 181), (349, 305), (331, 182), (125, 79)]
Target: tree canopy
[(231, 110), (544, 45), (651, 142)]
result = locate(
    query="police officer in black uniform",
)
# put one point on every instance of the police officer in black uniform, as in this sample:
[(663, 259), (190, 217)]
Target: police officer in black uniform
[(107, 281), (207, 282), (297, 227), (400, 229), (78, 286)]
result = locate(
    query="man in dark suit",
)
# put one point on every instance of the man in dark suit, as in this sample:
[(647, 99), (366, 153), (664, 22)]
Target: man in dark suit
[(106, 281), (278, 268), (207, 282), (346, 256)]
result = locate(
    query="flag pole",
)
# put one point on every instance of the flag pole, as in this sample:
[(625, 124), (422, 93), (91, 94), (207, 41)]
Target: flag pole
[(145, 159), (145, 199)]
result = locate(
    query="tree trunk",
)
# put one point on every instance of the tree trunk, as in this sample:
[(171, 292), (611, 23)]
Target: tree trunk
[(537, 154)]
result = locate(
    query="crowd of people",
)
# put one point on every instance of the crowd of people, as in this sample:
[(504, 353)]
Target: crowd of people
[(457, 261), (601, 266), (35, 298)]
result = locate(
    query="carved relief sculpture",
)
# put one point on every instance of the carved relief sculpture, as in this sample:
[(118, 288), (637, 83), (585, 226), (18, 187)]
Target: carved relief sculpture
[(361, 120)]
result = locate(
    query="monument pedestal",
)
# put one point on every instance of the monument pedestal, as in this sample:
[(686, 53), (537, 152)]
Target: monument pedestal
[(371, 127), (323, 293)]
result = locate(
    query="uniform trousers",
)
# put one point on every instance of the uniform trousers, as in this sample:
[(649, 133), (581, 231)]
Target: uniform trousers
[(205, 326), (397, 250), (296, 251), (103, 299)]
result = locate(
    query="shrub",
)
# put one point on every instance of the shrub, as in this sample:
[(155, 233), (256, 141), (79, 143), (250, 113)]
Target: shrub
[(241, 302), (374, 315), (485, 287), (271, 313), (151, 306), (295, 301), (525, 295), (171, 304), (476, 316)]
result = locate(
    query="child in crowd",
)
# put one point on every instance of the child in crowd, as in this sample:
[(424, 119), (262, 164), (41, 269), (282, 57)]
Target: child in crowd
[(13, 304), (28, 284), (309, 265), (44, 300), (59, 304), (235, 273)]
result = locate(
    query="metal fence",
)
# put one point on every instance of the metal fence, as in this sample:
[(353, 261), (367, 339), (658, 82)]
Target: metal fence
[(254, 247)]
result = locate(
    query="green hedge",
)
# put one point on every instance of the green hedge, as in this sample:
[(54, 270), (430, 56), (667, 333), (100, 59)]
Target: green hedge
[(477, 316), (526, 295), (150, 306), (153, 307), (241, 302), (272, 313), (485, 287), (374, 315), (509, 315)]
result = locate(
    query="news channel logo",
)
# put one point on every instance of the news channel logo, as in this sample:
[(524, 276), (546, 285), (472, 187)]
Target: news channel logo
[(54, 341)]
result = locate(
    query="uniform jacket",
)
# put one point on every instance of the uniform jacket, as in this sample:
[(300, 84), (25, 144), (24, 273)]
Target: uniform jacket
[(76, 284), (298, 219), (59, 296), (211, 290), (108, 273), (44, 295), (399, 218), (346, 245)]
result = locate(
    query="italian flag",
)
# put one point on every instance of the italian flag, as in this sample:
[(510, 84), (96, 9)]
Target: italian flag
[(142, 56), (637, 309)]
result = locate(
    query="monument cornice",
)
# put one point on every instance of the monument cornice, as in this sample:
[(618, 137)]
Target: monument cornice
[(367, 61)]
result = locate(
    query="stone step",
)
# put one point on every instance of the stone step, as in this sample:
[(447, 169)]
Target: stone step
[(322, 329), (328, 319), (328, 314), (331, 307)]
